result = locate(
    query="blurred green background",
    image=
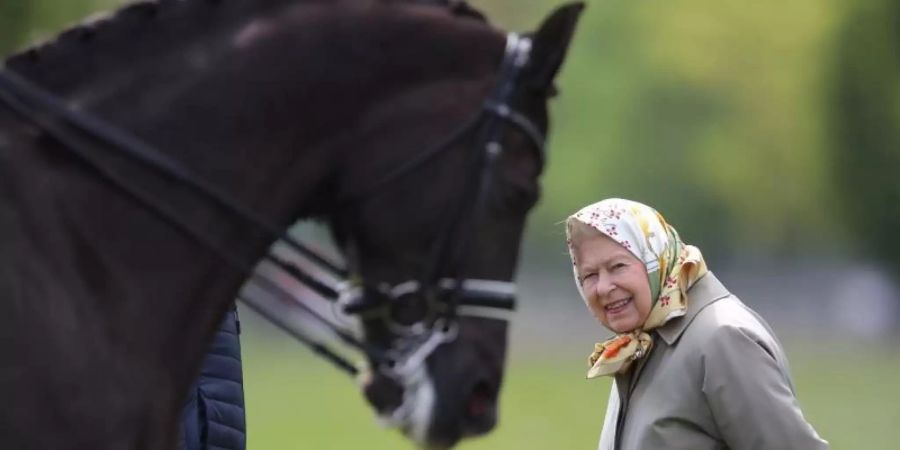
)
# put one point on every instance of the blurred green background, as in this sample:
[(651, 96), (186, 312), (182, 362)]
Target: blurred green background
[(766, 131)]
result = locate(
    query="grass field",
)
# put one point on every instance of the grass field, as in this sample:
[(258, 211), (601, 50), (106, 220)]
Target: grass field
[(295, 401)]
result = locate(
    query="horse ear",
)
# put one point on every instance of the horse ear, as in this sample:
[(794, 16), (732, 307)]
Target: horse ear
[(549, 45)]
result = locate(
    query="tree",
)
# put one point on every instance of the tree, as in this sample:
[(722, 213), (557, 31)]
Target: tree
[(865, 115), (14, 23)]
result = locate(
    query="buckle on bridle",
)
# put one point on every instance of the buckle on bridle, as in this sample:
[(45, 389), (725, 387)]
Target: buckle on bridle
[(407, 361)]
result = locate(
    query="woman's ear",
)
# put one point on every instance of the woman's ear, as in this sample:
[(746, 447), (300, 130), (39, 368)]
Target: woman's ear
[(549, 46)]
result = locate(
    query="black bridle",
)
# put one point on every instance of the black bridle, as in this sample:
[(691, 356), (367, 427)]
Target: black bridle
[(81, 132)]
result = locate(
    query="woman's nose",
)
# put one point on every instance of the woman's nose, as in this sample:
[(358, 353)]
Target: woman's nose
[(603, 286)]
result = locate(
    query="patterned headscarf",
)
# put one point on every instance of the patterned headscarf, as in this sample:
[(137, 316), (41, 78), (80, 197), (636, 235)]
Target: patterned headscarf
[(672, 268)]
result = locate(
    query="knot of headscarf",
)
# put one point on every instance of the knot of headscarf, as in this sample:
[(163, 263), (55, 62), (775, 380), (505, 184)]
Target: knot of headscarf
[(672, 268)]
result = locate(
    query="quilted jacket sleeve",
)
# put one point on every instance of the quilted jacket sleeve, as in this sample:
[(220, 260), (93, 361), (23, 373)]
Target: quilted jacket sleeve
[(213, 418)]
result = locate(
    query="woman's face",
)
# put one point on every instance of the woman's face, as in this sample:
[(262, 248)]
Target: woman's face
[(614, 282)]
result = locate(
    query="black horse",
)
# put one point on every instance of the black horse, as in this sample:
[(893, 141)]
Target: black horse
[(369, 115)]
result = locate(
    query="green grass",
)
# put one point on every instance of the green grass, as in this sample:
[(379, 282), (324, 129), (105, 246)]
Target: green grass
[(297, 402), (851, 396)]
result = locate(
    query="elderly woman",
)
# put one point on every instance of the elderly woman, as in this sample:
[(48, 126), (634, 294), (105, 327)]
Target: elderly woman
[(693, 367)]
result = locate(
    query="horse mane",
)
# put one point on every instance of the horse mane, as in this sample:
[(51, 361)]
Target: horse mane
[(132, 14), (138, 12)]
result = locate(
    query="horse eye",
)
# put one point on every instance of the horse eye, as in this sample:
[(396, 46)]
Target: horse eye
[(516, 198), (512, 191)]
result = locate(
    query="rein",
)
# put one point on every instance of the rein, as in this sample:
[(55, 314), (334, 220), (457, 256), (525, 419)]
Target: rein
[(81, 132)]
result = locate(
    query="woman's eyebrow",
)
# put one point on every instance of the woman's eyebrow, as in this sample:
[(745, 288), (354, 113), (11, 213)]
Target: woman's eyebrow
[(615, 257), (618, 256), (586, 268)]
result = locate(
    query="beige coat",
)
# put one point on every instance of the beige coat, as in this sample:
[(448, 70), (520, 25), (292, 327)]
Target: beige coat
[(716, 378)]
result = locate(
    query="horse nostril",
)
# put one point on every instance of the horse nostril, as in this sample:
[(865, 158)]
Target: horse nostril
[(481, 407)]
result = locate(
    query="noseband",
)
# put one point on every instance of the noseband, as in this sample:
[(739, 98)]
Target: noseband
[(446, 297)]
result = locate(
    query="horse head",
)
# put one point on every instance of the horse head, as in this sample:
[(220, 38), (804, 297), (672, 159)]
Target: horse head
[(441, 242)]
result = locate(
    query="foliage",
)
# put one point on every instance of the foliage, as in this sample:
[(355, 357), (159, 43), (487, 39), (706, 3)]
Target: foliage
[(709, 111), (14, 22), (865, 104), (712, 111)]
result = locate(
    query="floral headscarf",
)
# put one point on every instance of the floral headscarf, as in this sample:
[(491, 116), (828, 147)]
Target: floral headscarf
[(672, 268)]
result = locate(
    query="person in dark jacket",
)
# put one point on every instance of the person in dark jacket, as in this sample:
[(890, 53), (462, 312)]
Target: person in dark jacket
[(213, 418)]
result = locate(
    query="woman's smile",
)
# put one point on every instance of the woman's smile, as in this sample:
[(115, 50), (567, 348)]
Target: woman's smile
[(617, 306), (622, 315)]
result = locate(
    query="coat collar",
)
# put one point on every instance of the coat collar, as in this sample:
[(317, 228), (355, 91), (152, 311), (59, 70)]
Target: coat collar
[(704, 292)]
